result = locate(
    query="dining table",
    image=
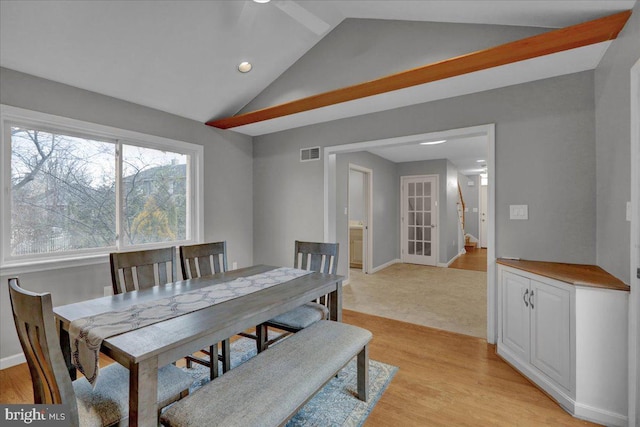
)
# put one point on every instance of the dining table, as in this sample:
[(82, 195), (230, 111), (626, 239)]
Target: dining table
[(143, 351)]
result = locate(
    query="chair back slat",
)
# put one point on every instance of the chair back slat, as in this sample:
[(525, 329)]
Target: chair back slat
[(203, 259), (36, 328), (320, 257), (131, 271)]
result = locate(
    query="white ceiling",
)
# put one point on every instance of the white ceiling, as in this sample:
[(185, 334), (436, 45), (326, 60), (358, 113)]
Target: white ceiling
[(464, 152), (181, 56)]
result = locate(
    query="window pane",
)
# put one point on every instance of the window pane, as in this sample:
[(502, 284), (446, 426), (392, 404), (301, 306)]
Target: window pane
[(154, 195), (62, 192)]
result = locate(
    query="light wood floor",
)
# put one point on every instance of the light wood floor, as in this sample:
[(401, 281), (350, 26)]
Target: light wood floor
[(445, 379), (473, 260), (448, 379)]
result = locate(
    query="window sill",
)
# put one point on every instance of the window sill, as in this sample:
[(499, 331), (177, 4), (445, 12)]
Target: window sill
[(15, 268)]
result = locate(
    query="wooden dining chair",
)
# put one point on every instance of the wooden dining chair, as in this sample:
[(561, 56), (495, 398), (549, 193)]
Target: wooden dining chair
[(204, 260), (131, 271), (320, 257), (103, 405)]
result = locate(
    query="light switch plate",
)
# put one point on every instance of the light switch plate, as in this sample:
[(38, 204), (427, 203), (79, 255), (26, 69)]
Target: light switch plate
[(518, 211)]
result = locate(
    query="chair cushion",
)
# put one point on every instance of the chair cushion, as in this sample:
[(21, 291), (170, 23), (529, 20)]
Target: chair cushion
[(301, 317), (108, 402)]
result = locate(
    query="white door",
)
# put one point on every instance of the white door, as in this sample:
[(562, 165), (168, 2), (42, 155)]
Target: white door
[(550, 331), (420, 219), (515, 314), (483, 216)]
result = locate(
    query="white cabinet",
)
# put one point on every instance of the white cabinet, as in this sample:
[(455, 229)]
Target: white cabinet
[(536, 325), (569, 338)]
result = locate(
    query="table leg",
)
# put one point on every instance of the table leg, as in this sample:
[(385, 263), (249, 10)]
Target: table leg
[(335, 303), (65, 345), (143, 393), (363, 374)]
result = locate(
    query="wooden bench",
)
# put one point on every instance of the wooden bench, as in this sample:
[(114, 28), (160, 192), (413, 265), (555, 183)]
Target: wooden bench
[(270, 388)]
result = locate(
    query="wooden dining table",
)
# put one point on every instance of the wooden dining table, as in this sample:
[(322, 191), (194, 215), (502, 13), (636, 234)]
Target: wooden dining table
[(144, 350)]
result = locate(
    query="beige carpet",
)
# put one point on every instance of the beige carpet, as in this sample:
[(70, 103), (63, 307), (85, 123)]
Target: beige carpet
[(443, 298)]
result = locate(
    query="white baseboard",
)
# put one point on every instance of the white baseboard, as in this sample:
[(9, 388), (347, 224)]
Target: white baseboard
[(447, 264), (16, 359), (600, 416), (385, 265)]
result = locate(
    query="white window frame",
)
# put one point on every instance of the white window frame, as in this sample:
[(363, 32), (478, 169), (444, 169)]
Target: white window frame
[(195, 178)]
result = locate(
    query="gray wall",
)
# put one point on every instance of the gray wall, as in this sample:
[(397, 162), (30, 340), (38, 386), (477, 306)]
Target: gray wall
[(453, 220), (545, 157), (471, 196), (356, 196), (613, 169), (386, 205), (228, 199)]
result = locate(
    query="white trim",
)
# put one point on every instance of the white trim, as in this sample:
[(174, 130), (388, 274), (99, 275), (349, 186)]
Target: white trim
[(93, 256), (9, 361), (492, 288), (385, 265), (451, 261), (367, 262), (488, 130), (634, 298)]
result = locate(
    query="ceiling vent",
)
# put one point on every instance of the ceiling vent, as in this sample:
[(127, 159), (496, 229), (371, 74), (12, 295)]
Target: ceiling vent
[(309, 154)]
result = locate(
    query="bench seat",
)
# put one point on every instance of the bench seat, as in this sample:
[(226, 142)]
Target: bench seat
[(270, 388)]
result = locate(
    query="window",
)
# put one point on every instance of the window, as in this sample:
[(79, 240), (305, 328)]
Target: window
[(75, 189)]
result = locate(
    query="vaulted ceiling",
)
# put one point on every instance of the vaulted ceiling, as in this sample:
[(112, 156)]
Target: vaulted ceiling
[(181, 56)]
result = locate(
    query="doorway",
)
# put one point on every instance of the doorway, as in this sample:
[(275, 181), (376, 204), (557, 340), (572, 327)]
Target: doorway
[(360, 222), (332, 188)]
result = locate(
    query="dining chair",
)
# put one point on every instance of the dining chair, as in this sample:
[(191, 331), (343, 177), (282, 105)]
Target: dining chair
[(131, 271), (103, 405), (313, 256), (200, 260)]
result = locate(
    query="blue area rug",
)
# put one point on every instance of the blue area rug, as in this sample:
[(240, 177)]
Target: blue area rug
[(335, 405)]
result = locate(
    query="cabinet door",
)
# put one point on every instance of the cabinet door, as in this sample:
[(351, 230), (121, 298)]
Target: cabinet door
[(515, 314), (550, 331)]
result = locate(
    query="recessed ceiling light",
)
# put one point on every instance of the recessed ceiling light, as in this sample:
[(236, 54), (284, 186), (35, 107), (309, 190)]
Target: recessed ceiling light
[(433, 142), (480, 161), (244, 67), (262, 1)]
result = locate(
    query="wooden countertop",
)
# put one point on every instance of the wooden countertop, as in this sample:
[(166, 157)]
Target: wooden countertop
[(574, 274)]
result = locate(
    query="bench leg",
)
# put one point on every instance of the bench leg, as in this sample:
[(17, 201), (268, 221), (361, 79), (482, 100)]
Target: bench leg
[(363, 374)]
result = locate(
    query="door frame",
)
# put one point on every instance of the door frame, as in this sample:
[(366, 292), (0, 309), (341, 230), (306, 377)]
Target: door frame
[(403, 213), (634, 297), (329, 164), (480, 210), (367, 233)]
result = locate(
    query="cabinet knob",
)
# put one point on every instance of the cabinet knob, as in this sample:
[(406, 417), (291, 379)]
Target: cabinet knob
[(524, 298)]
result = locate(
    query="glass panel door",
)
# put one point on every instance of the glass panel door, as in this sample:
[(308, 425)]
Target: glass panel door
[(419, 219)]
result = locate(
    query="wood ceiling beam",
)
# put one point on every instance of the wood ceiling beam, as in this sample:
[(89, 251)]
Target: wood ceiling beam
[(575, 36)]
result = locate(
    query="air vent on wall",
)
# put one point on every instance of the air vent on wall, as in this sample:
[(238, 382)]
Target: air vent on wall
[(309, 154)]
